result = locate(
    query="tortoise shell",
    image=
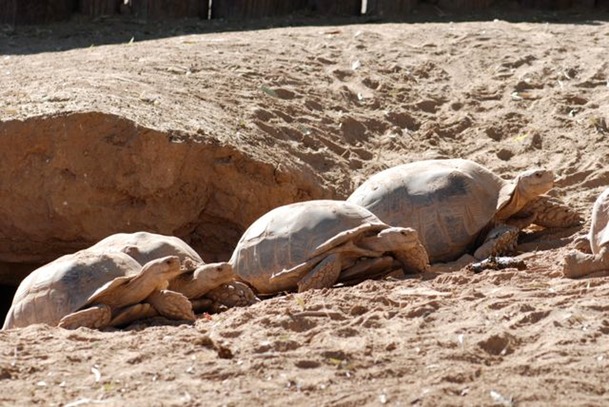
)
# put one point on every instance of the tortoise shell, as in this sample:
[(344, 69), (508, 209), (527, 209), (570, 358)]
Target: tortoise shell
[(448, 202), (293, 235), (146, 246), (65, 285)]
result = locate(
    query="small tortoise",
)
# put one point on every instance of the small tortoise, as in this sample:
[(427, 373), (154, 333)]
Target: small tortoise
[(95, 290), (457, 205), (595, 248), (316, 244), (208, 286)]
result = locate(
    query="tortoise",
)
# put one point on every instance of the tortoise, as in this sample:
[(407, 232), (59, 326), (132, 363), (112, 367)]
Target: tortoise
[(593, 254), (318, 243), (95, 290), (208, 286), (458, 205)]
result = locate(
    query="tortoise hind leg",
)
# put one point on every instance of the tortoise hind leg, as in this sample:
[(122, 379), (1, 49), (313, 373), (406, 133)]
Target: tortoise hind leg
[(96, 316), (324, 274), (171, 304)]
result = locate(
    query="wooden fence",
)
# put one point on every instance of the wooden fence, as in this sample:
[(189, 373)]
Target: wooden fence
[(17, 12)]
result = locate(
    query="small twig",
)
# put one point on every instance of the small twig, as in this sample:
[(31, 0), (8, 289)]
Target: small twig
[(329, 314), (81, 402)]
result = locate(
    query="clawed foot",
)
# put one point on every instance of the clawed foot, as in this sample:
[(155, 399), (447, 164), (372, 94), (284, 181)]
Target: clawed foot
[(578, 264)]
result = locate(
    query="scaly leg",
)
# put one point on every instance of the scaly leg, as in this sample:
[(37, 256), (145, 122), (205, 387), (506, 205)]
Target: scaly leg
[(171, 304), (500, 240), (324, 274), (578, 264), (549, 212), (96, 316), (235, 294)]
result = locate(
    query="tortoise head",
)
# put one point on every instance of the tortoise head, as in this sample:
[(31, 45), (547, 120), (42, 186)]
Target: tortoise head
[(211, 275), (527, 186), (168, 266), (533, 183), (393, 238), (406, 247)]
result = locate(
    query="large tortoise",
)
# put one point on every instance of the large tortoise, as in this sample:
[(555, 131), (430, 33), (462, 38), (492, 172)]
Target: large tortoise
[(594, 254), (458, 206), (208, 286), (95, 289), (316, 244)]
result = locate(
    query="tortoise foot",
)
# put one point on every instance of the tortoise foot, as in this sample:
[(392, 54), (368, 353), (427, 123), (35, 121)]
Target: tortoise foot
[(578, 264)]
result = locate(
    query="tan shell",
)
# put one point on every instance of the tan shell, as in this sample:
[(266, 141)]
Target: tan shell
[(291, 235), (64, 286), (146, 246), (449, 202)]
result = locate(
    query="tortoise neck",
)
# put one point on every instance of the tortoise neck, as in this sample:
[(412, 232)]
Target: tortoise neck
[(517, 201)]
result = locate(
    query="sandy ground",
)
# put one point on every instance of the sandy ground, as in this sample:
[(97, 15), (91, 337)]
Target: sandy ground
[(344, 102)]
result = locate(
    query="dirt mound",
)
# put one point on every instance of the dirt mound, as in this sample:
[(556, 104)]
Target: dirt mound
[(73, 179)]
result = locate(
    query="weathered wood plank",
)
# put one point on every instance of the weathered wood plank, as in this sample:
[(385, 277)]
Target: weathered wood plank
[(18, 12), (390, 8), (336, 8), (169, 9), (98, 8)]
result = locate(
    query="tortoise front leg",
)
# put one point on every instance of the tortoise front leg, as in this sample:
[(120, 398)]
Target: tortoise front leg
[(502, 239), (413, 260), (234, 294), (546, 211), (95, 316), (171, 304), (578, 264), (324, 275)]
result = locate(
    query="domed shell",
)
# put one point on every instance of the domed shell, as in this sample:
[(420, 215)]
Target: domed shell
[(448, 202), (63, 286), (148, 246), (289, 235)]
